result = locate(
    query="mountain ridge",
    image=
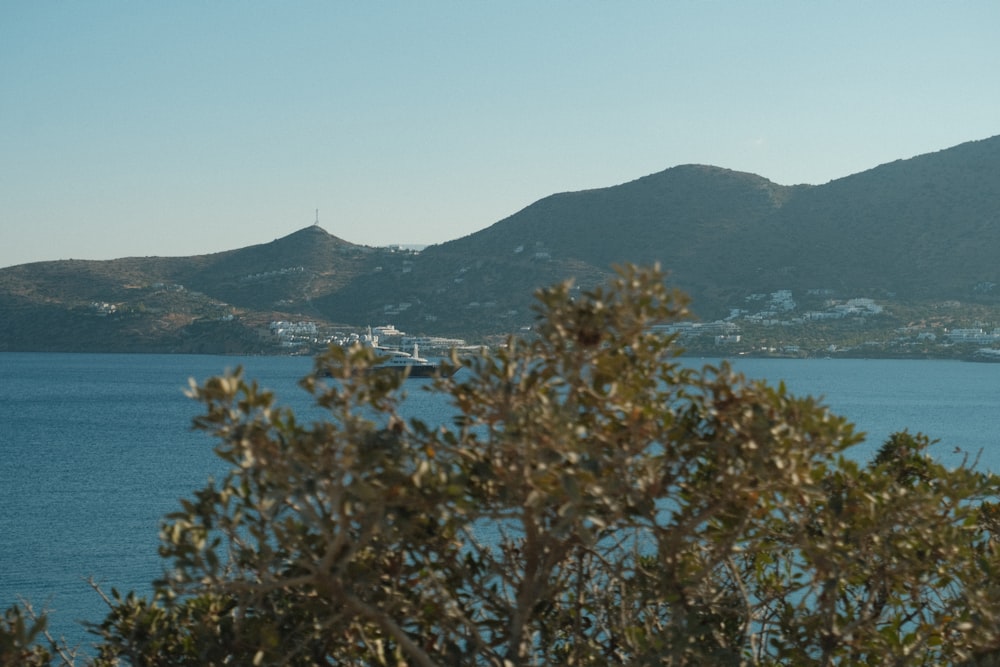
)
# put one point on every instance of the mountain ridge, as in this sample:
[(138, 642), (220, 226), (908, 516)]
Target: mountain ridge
[(922, 229)]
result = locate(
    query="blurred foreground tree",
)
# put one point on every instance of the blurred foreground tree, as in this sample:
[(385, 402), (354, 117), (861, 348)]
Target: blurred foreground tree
[(594, 502)]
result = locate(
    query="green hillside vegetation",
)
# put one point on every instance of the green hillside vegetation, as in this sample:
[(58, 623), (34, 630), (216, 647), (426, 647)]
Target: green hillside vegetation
[(914, 235), (925, 228), (594, 502)]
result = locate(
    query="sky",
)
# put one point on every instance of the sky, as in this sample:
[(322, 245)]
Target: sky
[(183, 127)]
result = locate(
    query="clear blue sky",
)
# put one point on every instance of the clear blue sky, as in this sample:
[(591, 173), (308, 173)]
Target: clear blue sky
[(176, 128)]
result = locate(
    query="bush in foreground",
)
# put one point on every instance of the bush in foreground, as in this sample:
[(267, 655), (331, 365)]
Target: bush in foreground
[(594, 502)]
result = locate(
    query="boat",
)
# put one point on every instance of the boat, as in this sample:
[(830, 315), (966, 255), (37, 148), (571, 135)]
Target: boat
[(395, 359), (406, 362)]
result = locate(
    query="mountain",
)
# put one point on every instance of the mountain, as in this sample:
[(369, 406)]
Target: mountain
[(207, 303), (922, 230), (484, 281)]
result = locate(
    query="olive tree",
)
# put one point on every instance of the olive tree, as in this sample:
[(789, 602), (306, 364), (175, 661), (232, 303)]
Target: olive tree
[(593, 501)]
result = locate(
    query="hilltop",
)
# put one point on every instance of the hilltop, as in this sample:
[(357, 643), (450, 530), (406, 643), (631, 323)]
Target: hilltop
[(220, 302), (919, 234)]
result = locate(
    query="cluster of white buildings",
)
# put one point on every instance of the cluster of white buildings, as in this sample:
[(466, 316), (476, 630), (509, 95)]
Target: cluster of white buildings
[(771, 309), (389, 336), (293, 334), (851, 308), (977, 335), (776, 304), (296, 334)]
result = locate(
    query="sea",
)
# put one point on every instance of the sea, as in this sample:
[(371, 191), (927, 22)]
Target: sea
[(96, 448)]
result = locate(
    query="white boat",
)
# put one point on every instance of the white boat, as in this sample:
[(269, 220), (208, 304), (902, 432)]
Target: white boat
[(405, 362), (395, 359)]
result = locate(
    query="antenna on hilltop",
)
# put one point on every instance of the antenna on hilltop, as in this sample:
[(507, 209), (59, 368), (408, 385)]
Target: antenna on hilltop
[(317, 218)]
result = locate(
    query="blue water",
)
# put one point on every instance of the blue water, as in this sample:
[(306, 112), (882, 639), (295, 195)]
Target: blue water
[(955, 402), (95, 449)]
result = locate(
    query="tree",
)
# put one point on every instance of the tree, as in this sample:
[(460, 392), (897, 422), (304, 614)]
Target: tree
[(594, 502)]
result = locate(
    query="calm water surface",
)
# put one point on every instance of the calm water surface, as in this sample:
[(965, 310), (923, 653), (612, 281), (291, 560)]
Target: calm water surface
[(95, 449)]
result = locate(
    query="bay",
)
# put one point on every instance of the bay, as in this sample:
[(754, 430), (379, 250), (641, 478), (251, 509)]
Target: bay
[(95, 449)]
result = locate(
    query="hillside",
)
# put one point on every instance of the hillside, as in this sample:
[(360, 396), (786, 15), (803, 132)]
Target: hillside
[(207, 303), (925, 228), (920, 231)]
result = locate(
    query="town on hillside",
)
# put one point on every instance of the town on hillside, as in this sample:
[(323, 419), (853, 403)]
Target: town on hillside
[(775, 324), (306, 337), (769, 324)]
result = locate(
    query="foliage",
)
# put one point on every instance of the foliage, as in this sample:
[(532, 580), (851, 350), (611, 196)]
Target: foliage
[(25, 640), (18, 636), (594, 502)]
